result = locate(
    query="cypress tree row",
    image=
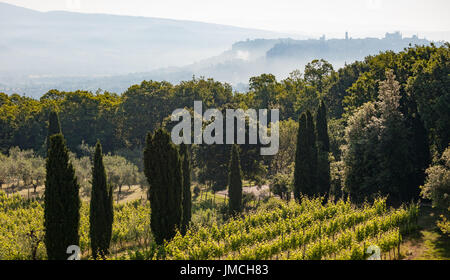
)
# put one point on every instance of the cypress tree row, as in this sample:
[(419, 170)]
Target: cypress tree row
[(323, 148), (305, 172), (235, 182), (101, 208), (54, 127), (420, 158), (162, 167), (62, 201), (187, 201), (301, 166), (312, 147), (323, 141)]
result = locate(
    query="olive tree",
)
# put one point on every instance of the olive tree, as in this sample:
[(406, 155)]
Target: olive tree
[(120, 172)]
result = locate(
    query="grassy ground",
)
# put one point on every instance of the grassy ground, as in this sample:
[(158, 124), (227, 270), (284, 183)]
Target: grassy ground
[(428, 243)]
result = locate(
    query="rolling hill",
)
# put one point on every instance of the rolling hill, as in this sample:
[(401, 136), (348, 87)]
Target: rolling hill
[(47, 44), (69, 51)]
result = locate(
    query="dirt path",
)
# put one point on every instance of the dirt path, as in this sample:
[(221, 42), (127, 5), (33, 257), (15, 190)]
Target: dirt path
[(428, 243), (258, 191), (128, 194)]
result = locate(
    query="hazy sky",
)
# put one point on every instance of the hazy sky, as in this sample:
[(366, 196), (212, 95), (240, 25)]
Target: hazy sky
[(359, 17)]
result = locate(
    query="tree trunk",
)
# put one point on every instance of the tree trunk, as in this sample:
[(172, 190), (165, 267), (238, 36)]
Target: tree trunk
[(118, 193)]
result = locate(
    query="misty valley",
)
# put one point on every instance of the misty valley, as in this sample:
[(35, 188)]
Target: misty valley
[(129, 134)]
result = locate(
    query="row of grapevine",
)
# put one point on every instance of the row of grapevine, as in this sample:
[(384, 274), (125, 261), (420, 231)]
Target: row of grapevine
[(22, 230), (306, 230), (316, 230)]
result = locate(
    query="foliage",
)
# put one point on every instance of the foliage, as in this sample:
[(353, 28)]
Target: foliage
[(323, 149), (101, 208), (162, 166), (22, 227), (444, 225), (235, 182), (387, 131), (339, 83), (306, 230), (281, 185), (377, 149), (422, 73), (305, 172), (120, 172), (187, 200), (429, 88), (336, 177), (316, 72), (54, 127), (62, 201), (83, 172), (121, 121), (437, 184), (282, 161), (22, 167)]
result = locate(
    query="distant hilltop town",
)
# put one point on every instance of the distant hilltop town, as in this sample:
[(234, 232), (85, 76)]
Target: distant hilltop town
[(348, 49), (245, 59), (388, 36), (336, 50)]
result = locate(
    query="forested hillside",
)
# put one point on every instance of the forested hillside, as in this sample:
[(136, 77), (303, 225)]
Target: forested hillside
[(373, 128), (34, 43)]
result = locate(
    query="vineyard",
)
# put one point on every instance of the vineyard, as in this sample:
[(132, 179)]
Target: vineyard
[(22, 228), (306, 231), (301, 231)]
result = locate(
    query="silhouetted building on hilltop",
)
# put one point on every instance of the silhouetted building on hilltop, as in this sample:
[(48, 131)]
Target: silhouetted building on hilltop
[(393, 36)]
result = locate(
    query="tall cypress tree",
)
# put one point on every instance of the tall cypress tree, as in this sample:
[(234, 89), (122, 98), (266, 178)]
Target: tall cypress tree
[(323, 148), (54, 127), (305, 172), (322, 128), (162, 167), (235, 182), (312, 153), (101, 210), (187, 201), (420, 157), (301, 176), (62, 201)]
